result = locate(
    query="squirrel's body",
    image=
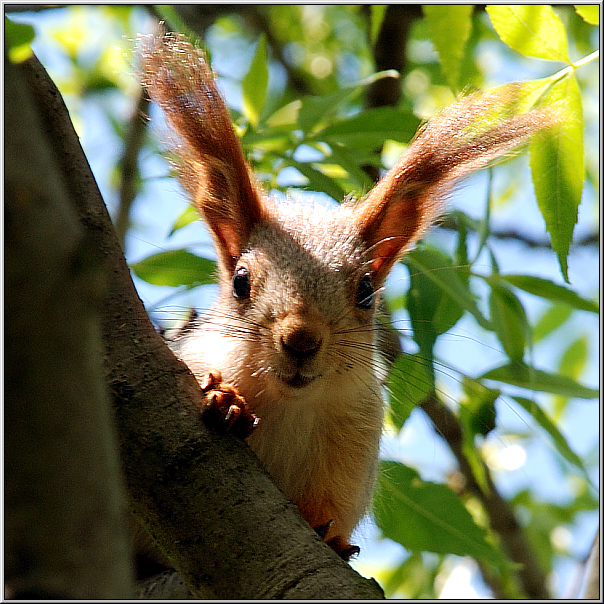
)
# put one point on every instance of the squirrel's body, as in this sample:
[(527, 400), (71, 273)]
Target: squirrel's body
[(294, 328), (313, 407)]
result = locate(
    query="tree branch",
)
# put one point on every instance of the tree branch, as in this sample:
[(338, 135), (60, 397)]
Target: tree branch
[(501, 515), (128, 163), (450, 223), (205, 498), (389, 52), (591, 589)]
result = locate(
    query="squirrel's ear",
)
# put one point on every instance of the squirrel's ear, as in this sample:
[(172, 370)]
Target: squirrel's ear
[(463, 138), (391, 218), (209, 157)]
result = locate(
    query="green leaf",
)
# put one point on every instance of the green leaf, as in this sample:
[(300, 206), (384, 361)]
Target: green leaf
[(478, 416), (479, 405), (371, 128), (531, 29), (557, 167), (461, 258), (548, 425), (555, 316), (255, 83), (174, 268), (286, 115), (18, 38), (509, 320), (426, 516), (411, 381), (414, 578), (544, 288), (348, 158), (572, 364), (589, 12), (438, 268), (523, 376), (574, 358), (449, 26), (316, 110), (317, 181), (376, 18), (188, 216)]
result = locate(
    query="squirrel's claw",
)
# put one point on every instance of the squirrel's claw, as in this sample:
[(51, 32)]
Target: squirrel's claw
[(225, 410), (339, 545), (343, 548)]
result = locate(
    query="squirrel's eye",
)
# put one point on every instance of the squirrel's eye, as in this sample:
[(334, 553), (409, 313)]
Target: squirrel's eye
[(241, 284), (365, 293)]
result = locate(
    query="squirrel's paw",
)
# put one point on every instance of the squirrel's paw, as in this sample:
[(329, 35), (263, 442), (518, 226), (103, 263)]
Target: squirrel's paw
[(343, 548), (225, 409)]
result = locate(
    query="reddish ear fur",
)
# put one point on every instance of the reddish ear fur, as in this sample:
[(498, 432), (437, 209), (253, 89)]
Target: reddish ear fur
[(464, 138), (395, 214), (211, 164)]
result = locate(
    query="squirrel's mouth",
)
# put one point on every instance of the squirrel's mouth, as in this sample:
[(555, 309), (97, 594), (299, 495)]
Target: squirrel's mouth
[(298, 380)]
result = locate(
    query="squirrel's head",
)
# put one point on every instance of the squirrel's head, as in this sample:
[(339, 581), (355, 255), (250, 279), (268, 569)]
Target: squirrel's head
[(306, 278)]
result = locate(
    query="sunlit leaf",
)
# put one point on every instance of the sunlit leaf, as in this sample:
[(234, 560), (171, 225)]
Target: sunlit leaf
[(188, 216), (553, 318), (376, 17), (544, 288), (518, 374), (349, 160), (174, 268), (531, 29), (255, 83), (18, 38), (589, 12), (372, 127), (478, 416), (286, 115), (509, 321), (411, 381), (316, 110), (557, 168), (449, 26), (414, 578), (574, 358), (426, 516)]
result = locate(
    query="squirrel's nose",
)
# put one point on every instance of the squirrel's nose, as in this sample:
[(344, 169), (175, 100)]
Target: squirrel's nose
[(302, 343)]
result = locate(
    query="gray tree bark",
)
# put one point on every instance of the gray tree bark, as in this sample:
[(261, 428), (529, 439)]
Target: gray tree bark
[(205, 498), (65, 507)]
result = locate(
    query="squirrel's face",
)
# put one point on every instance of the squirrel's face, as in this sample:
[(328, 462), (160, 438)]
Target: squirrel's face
[(301, 304)]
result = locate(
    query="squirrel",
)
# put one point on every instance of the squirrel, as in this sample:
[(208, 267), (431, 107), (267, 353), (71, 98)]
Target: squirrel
[(292, 339)]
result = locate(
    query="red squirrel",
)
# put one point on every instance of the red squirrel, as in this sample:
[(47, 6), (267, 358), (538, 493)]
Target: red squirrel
[(293, 333)]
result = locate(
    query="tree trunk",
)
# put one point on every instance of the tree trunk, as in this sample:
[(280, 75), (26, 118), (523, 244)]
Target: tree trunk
[(205, 498), (65, 507)]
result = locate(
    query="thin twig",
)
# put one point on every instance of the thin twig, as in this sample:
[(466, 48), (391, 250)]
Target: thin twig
[(128, 163), (449, 223)]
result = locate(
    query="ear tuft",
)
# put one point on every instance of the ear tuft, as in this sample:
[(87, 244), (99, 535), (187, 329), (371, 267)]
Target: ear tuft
[(463, 138), (209, 158)]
